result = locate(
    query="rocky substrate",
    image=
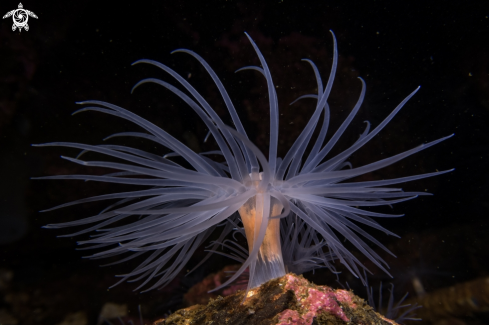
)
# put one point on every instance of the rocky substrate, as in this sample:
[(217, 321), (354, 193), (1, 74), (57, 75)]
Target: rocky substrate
[(290, 299)]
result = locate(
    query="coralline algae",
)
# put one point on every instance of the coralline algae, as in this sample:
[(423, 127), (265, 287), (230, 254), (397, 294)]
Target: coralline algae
[(313, 301), (290, 299)]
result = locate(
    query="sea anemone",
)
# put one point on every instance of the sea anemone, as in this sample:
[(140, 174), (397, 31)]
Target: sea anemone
[(181, 206)]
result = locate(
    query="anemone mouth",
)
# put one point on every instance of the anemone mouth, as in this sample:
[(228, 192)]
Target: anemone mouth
[(295, 211)]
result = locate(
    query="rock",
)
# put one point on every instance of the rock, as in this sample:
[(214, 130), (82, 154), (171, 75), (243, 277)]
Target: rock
[(290, 299), (445, 305)]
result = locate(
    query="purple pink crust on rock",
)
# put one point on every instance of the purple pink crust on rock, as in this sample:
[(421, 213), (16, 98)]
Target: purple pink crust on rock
[(312, 301)]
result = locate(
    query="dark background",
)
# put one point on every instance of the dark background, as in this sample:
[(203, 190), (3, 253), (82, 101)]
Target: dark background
[(83, 50)]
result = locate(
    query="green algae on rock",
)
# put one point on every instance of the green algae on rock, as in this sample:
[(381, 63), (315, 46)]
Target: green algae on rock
[(290, 299)]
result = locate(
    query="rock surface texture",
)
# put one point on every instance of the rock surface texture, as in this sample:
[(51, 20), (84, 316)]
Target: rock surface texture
[(290, 299)]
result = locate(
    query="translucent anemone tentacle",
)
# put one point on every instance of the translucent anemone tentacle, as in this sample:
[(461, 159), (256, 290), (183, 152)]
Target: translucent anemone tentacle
[(230, 224), (317, 75), (267, 171), (364, 169), (188, 176), (302, 97), (326, 149), (344, 255), (231, 162), (358, 144), (231, 157), (392, 181), (168, 140), (237, 122), (307, 132), (272, 97), (110, 214), (344, 230), (191, 193), (322, 97), (133, 151), (285, 203), (133, 181), (251, 67), (231, 201), (322, 135)]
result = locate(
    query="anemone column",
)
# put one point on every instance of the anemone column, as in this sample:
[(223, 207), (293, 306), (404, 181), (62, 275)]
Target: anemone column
[(269, 263)]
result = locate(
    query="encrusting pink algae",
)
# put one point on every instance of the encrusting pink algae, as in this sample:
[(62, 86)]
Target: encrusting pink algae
[(290, 299), (313, 301)]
